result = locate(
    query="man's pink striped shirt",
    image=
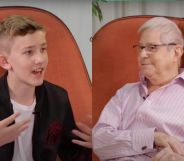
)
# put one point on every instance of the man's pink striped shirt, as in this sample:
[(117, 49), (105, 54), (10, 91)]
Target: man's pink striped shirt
[(125, 129)]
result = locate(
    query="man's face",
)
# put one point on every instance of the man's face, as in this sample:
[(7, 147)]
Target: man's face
[(28, 59), (154, 59)]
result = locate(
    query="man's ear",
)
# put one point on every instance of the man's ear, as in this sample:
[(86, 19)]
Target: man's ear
[(178, 52), (4, 63)]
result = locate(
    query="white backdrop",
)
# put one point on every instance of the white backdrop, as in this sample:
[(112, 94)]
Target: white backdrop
[(113, 10), (76, 14)]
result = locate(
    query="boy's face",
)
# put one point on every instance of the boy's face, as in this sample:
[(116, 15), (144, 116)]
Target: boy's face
[(28, 59)]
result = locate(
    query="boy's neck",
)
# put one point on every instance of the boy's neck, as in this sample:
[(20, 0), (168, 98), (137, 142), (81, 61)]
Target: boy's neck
[(21, 93)]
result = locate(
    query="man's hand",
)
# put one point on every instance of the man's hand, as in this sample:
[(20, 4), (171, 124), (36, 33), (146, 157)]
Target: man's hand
[(163, 141), (85, 133), (167, 154), (10, 133)]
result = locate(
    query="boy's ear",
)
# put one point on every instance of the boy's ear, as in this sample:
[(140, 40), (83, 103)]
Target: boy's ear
[(4, 63)]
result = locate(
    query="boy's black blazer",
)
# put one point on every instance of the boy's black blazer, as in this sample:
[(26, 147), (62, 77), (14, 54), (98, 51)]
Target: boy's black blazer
[(52, 125)]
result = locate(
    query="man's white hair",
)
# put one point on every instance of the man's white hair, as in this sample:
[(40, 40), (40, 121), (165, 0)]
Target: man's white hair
[(170, 32)]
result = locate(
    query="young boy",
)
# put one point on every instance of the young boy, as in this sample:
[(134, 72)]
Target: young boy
[(45, 118)]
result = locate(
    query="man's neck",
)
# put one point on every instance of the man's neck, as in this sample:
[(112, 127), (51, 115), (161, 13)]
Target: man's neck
[(21, 93), (159, 81)]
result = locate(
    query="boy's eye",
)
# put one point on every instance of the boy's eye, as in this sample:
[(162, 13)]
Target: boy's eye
[(28, 52), (43, 49)]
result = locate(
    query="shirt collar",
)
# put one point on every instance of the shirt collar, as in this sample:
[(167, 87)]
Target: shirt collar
[(143, 87), (180, 76)]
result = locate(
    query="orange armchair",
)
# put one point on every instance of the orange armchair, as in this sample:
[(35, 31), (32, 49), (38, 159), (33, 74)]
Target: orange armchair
[(66, 67), (114, 59)]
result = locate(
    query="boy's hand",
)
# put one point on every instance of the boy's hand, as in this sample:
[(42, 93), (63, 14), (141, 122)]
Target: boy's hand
[(85, 133), (10, 133)]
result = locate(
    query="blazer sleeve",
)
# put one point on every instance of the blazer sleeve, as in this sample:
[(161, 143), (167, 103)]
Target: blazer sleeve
[(69, 151)]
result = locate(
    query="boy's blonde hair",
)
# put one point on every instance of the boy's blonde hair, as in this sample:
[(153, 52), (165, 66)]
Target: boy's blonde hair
[(16, 25)]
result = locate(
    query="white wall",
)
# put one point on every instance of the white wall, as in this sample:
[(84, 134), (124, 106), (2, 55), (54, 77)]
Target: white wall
[(76, 14), (113, 10)]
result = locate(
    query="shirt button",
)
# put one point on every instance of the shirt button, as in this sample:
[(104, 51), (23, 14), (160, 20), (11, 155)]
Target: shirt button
[(149, 102), (144, 147), (140, 116)]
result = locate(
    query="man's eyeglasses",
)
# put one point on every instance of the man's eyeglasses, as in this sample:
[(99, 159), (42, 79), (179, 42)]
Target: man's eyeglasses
[(151, 48)]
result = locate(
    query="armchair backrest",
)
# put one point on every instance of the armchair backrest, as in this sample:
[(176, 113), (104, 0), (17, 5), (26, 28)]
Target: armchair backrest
[(66, 67), (115, 60)]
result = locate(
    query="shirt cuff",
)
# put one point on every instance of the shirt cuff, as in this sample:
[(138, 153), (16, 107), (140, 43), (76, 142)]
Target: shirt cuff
[(143, 140)]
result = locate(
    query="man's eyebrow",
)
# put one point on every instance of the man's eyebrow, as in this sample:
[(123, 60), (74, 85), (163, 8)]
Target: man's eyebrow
[(151, 42)]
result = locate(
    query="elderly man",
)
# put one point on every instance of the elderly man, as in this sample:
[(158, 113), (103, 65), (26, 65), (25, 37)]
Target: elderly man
[(147, 117)]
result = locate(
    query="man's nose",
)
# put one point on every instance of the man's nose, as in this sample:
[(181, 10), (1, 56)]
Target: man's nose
[(143, 53)]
